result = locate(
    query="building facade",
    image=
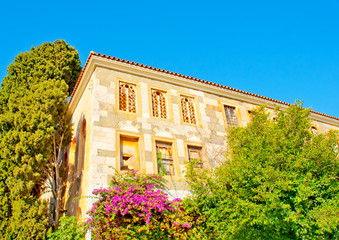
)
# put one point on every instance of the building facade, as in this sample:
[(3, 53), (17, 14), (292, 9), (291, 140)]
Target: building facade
[(130, 116)]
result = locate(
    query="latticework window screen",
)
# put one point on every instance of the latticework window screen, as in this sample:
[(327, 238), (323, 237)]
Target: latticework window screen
[(159, 103), (127, 97), (188, 111)]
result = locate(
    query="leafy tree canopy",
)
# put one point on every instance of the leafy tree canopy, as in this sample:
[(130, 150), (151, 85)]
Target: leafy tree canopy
[(280, 182), (33, 103)]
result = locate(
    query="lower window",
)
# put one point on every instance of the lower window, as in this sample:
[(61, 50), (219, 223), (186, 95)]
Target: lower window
[(195, 154), (129, 154), (165, 158)]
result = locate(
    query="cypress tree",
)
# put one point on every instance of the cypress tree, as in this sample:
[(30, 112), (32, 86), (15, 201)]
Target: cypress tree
[(33, 127)]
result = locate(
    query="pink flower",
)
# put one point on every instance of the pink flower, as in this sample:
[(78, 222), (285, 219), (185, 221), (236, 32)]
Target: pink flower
[(186, 225)]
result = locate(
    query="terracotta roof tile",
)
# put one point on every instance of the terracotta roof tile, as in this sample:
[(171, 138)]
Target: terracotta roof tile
[(183, 76)]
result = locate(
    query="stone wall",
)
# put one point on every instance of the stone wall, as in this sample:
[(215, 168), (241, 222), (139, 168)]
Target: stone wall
[(106, 124)]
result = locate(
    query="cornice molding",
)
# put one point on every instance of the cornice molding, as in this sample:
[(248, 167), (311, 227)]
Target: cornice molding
[(95, 61), (82, 84)]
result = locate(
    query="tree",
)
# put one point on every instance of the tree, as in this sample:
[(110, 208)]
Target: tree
[(33, 127), (280, 182)]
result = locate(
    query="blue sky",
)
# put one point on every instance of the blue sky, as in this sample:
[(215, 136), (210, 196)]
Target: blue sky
[(284, 50)]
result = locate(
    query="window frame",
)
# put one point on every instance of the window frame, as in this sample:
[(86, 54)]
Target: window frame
[(176, 164), (203, 153), (237, 111), (250, 115), (141, 149), (316, 127), (168, 103), (82, 143), (138, 97), (196, 109)]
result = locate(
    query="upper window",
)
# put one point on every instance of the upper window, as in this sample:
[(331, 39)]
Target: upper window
[(195, 154), (165, 158), (314, 130), (127, 97), (231, 116), (250, 115), (188, 109), (159, 106)]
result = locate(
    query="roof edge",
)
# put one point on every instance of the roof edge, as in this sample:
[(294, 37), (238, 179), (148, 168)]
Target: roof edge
[(92, 53)]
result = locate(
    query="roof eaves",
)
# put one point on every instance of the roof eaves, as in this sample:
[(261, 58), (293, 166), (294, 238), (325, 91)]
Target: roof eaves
[(183, 76)]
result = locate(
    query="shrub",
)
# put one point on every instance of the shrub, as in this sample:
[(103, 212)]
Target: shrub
[(68, 229), (133, 208)]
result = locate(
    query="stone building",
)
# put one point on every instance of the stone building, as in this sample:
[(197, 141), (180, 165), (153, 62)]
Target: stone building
[(125, 114)]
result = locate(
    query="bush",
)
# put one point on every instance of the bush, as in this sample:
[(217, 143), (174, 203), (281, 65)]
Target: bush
[(68, 229), (132, 208)]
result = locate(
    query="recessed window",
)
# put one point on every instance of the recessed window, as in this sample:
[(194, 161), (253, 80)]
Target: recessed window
[(127, 97), (250, 115), (81, 148), (195, 154), (231, 116), (165, 157), (129, 154), (314, 130), (159, 105), (188, 109), (79, 214)]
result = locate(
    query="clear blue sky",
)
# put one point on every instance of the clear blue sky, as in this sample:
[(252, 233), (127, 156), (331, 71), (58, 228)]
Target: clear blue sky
[(284, 50)]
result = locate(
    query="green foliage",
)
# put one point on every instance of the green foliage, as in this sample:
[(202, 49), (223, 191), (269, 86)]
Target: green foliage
[(28, 220), (33, 103), (68, 229), (131, 208), (161, 166), (280, 182)]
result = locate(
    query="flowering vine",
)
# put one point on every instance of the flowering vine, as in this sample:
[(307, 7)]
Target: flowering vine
[(134, 207)]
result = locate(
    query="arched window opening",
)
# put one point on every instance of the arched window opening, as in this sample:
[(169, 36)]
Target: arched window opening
[(74, 141), (127, 97), (159, 104), (188, 110), (82, 147), (314, 130), (79, 214)]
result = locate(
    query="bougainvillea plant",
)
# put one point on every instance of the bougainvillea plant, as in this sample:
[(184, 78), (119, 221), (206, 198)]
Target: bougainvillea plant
[(134, 207)]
